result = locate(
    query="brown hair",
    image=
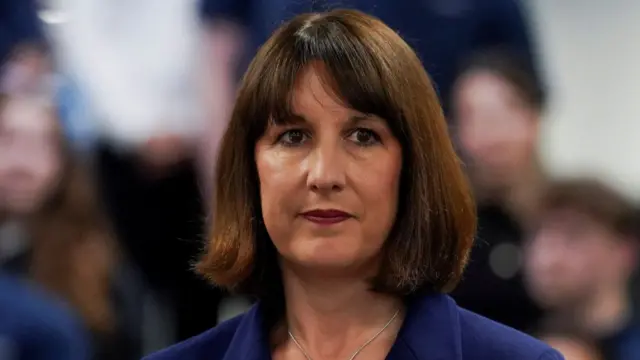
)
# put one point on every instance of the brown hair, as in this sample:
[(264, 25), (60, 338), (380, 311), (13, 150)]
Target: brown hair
[(73, 251), (72, 248), (596, 200), (514, 69), (373, 71)]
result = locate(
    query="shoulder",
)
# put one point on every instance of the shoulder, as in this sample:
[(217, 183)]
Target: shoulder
[(33, 318), (486, 339), (436, 327), (210, 345), (30, 305)]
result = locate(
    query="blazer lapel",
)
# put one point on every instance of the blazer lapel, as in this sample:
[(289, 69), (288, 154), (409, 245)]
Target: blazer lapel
[(249, 342), (431, 331)]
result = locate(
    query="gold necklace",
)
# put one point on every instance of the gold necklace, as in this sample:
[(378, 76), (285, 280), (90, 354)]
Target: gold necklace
[(353, 356)]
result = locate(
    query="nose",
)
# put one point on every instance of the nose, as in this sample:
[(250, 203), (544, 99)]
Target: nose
[(544, 252), (481, 140), (326, 169)]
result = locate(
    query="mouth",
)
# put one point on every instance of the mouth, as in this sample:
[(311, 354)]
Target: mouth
[(326, 217)]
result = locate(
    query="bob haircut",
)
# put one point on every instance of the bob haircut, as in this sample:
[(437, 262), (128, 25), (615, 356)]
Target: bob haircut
[(372, 70)]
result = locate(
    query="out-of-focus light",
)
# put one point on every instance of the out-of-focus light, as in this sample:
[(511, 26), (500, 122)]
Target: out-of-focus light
[(53, 17)]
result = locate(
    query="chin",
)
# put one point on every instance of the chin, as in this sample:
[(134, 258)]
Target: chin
[(551, 298), (327, 261), (328, 252)]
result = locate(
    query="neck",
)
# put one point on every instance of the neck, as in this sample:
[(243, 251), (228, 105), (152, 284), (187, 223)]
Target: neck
[(520, 197), (604, 313), (4, 216), (12, 237), (332, 318)]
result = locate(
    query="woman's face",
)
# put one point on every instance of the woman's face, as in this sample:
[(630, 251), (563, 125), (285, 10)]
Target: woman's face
[(329, 181), (497, 130), (29, 156)]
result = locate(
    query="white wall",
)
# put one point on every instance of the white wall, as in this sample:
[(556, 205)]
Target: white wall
[(591, 55)]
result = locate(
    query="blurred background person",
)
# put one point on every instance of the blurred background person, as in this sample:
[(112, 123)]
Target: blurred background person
[(572, 346), (34, 324), (442, 32), (580, 262), (54, 234), (137, 65), (22, 47), (497, 104)]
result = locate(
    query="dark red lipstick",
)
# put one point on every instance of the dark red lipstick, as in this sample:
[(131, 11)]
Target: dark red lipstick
[(326, 217)]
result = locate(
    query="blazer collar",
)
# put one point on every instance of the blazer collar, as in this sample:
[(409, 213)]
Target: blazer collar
[(431, 331)]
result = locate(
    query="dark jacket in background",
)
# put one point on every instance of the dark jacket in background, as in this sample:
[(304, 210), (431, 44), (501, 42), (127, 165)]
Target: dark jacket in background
[(19, 24), (493, 283), (35, 326), (444, 33)]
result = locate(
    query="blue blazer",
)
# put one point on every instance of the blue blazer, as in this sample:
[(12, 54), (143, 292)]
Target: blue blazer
[(435, 328), (35, 326)]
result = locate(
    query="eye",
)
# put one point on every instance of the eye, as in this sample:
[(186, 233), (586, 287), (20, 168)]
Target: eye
[(293, 137), (364, 137)]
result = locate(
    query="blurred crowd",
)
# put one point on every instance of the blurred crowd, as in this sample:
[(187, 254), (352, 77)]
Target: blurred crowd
[(110, 114)]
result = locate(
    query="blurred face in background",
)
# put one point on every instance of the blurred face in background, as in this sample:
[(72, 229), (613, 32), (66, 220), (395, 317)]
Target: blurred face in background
[(30, 156), (573, 257), (497, 129)]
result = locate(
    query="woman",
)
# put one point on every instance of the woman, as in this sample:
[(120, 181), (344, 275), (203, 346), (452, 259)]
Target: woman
[(341, 205), (52, 229)]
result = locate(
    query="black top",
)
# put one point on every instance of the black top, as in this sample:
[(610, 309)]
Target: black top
[(493, 284)]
